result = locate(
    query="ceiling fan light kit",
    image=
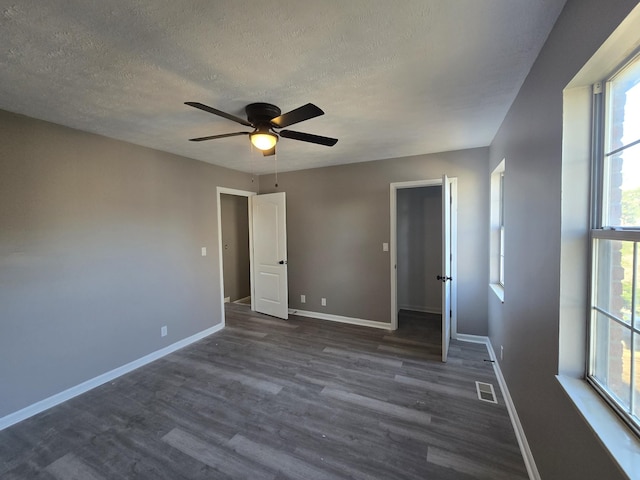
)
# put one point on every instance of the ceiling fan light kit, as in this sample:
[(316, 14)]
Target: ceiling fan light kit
[(263, 139), (265, 118)]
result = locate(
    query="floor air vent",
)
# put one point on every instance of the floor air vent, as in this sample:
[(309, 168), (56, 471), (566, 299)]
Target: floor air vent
[(486, 393)]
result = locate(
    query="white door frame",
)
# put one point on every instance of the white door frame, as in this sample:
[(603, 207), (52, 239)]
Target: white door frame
[(393, 249), (238, 193)]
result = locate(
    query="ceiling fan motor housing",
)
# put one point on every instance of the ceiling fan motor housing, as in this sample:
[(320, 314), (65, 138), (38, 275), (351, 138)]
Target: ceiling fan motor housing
[(260, 114)]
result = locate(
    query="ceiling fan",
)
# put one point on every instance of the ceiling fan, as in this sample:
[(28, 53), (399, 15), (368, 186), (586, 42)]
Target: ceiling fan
[(264, 118)]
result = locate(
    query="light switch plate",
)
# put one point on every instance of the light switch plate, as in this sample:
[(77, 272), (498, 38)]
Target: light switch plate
[(204, 251), (385, 247)]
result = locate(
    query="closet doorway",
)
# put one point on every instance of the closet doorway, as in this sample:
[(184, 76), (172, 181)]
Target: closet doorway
[(423, 251)]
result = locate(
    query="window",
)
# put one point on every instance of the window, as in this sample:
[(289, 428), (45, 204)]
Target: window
[(501, 227), (497, 230), (614, 353)]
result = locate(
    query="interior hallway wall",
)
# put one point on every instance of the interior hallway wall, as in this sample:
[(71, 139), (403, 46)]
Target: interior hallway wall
[(419, 244), (100, 246)]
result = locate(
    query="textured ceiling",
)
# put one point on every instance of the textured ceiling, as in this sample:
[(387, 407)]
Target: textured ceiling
[(395, 78)]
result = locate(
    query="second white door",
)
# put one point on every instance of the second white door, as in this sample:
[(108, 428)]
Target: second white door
[(269, 227)]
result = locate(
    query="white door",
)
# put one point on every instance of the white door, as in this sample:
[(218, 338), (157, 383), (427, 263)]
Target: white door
[(270, 254), (445, 277)]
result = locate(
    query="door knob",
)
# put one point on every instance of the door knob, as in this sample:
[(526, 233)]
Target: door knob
[(443, 278), (282, 262)]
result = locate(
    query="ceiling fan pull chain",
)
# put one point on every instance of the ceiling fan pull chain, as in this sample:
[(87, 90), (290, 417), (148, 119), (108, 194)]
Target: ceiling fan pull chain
[(276, 159)]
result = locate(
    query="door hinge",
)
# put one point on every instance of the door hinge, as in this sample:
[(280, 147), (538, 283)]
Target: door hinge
[(450, 313)]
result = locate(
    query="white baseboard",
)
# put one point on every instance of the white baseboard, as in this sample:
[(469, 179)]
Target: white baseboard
[(421, 309), (245, 300), (84, 387), (227, 299), (463, 337), (527, 456), (340, 319)]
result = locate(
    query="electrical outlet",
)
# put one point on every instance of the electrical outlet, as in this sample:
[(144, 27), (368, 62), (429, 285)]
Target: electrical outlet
[(501, 352), (163, 331), (303, 298), (323, 302)]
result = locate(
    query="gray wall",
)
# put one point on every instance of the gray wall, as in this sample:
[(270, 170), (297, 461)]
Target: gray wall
[(338, 217), (419, 244), (99, 247), (527, 323), (235, 246)]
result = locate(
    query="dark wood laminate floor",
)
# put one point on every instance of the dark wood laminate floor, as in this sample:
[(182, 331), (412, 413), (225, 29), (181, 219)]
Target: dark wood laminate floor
[(268, 399)]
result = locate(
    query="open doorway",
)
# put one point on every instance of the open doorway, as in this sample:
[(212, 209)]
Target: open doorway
[(267, 245), (419, 247), (236, 262), (423, 254), (234, 218)]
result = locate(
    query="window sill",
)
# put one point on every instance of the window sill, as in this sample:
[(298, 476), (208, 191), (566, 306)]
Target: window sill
[(498, 290), (621, 443)]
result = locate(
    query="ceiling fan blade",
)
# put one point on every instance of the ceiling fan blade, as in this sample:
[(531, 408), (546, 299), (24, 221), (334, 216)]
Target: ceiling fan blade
[(220, 113), (268, 153), (300, 114), (307, 137), (213, 137)]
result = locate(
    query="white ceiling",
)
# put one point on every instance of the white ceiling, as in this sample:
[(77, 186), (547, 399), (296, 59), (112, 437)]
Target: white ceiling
[(395, 78)]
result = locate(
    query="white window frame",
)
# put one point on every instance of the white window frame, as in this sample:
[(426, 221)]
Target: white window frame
[(604, 229), (497, 229)]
